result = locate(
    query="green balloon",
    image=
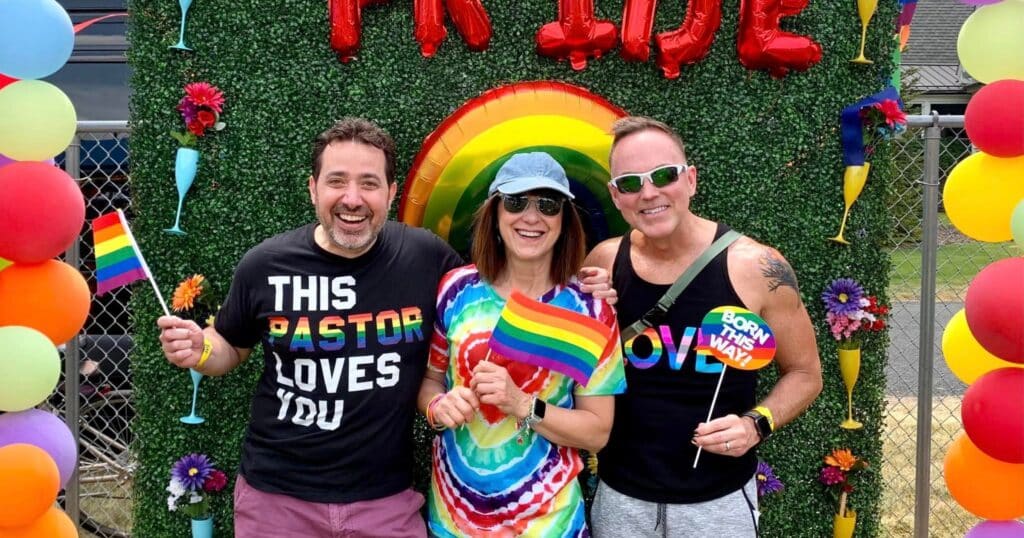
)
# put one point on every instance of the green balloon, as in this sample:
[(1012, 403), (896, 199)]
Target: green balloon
[(4, 263), (37, 120), (1017, 224), (29, 368)]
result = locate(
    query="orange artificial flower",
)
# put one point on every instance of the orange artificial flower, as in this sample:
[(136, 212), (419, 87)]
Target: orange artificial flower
[(842, 458), (187, 292)]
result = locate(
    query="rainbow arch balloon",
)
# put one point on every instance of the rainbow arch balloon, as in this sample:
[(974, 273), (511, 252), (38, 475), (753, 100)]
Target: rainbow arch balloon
[(448, 180)]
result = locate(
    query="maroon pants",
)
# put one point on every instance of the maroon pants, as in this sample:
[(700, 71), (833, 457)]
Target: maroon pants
[(269, 515)]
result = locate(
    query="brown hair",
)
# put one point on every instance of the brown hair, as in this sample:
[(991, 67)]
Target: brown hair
[(624, 127), (358, 130), (488, 252)]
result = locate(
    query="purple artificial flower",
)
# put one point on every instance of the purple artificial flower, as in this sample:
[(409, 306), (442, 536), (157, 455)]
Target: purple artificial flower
[(843, 296), (189, 110), (767, 482), (831, 476), (192, 471)]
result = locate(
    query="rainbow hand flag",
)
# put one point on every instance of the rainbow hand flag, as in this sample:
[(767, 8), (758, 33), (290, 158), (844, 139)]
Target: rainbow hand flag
[(118, 260), (558, 339)]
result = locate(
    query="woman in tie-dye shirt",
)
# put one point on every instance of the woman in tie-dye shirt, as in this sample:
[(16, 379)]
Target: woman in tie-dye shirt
[(506, 461)]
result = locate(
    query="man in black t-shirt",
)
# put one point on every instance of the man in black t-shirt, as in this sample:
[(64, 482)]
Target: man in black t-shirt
[(649, 486), (343, 310)]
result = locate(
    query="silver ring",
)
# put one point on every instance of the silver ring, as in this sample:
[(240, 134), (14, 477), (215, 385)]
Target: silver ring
[(727, 446)]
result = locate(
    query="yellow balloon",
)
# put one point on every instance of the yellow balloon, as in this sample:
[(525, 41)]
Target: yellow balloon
[(981, 193), (37, 120), (991, 41), (4, 263), (964, 355)]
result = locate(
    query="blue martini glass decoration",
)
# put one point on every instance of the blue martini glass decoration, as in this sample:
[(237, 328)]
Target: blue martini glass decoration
[(180, 45), (185, 165), (192, 417)]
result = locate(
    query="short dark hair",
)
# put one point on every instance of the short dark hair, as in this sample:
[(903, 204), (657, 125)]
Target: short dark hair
[(628, 125), (488, 253), (359, 130)]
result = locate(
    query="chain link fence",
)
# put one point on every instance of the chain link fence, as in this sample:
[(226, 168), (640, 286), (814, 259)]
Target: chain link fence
[(916, 501), (98, 372), (96, 393)]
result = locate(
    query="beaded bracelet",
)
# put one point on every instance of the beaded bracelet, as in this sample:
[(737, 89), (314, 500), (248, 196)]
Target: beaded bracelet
[(430, 412)]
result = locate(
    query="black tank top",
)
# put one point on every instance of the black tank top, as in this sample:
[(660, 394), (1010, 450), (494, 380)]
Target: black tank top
[(668, 391)]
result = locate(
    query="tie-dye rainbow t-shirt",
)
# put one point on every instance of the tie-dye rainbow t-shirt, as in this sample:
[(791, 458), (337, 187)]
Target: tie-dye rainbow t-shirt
[(487, 480)]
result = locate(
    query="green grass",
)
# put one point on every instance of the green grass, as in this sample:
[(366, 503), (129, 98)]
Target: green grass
[(956, 263)]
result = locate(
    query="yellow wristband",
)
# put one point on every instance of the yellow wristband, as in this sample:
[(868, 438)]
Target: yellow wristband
[(207, 350), (767, 414)]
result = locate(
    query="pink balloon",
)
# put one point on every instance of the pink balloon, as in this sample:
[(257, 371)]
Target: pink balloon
[(997, 529), (993, 118)]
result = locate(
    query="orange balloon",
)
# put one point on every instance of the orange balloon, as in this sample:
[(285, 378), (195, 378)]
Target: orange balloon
[(29, 481), (53, 524), (50, 297), (985, 486)]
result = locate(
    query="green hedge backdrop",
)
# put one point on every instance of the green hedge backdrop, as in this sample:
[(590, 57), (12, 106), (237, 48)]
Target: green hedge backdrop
[(767, 152)]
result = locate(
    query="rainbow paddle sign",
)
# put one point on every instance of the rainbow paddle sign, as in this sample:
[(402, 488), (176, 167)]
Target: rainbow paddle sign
[(539, 334), (449, 178), (737, 337)]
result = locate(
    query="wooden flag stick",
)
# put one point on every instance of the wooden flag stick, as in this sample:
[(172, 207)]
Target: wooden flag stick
[(711, 411)]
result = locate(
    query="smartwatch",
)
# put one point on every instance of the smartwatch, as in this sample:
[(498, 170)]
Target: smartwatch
[(762, 421), (537, 410)]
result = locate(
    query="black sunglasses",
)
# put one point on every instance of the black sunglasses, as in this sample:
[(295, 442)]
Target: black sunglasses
[(659, 177), (517, 203)]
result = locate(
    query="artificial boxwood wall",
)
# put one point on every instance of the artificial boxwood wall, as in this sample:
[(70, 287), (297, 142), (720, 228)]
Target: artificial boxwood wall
[(767, 152)]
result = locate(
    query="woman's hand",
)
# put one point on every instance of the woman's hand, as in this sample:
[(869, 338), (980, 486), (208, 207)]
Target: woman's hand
[(456, 407), (597, 282), (494, 386)]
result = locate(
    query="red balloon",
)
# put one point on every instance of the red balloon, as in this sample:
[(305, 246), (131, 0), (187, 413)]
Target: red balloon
[(637, 23), (471, 20), (41, 211), (346, 24), (692, 40), (993, 413), (761, 44), (5, 80), (576, 35), (995, 118), (428, 17), (995, 309)]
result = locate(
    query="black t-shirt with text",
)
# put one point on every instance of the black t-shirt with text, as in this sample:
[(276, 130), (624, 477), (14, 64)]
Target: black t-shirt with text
[(345, 347)]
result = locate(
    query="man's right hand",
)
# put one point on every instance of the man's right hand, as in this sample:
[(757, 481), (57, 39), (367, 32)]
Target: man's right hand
[(181, 339)]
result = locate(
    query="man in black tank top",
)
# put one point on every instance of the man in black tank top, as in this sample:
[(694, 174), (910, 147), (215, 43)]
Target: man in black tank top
[(648, 484)]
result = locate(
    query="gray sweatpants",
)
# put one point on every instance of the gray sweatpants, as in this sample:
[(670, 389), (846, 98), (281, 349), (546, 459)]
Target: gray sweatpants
[(615, 515)]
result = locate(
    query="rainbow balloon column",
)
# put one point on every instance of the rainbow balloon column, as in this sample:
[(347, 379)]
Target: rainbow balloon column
[(43, 302), (984, 343), (457, 162)]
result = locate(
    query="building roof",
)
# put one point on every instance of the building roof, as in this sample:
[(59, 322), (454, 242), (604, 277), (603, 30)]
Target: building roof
[(931, 50)]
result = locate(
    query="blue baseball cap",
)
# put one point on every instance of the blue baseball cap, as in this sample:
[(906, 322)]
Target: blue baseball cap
[(526, 172)]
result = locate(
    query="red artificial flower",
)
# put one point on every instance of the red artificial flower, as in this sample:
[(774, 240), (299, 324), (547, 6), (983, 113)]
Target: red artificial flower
[(215, 482), (847, 488), (206, 117), (196, 128), (890, 108), (205, 94)]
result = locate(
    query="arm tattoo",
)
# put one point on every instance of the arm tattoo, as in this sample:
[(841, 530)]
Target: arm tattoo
[(778, 272)]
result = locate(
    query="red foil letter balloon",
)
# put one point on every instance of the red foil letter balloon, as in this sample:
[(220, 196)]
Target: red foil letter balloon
[(761, 44), (469, 16), (576, 35)]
